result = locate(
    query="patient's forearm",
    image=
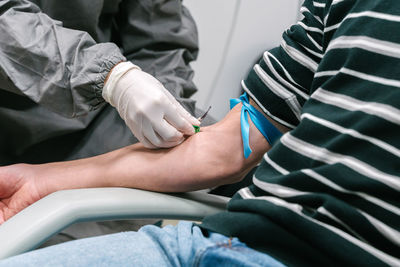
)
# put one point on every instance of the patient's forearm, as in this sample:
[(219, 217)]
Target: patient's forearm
[(210, 158), (207, 159)]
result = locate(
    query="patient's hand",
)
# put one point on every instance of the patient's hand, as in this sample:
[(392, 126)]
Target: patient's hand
[(17, 191)]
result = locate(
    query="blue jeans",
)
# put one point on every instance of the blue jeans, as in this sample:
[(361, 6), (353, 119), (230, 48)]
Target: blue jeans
[(182, 245)]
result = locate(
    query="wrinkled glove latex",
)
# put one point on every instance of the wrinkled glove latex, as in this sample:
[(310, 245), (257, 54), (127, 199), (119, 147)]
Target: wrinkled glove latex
[(150, 111)]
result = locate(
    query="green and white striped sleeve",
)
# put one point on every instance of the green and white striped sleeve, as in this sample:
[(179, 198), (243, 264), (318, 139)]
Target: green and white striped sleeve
[(280, 83)]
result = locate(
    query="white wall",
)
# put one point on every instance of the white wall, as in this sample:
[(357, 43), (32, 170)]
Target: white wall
[(233, 34)]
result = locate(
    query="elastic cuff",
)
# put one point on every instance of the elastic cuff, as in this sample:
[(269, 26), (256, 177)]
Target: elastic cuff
[(104, 68)]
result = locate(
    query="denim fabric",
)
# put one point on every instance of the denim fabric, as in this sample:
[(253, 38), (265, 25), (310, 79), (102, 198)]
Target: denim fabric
[(181, 245)]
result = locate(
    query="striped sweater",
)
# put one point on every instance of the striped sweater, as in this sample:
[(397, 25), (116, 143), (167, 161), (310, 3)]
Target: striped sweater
[(328, 191)]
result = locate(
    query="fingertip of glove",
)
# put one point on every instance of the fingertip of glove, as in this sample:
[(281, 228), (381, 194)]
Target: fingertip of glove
[(173, 143), (194, 121), (189, 130), (178, 136)]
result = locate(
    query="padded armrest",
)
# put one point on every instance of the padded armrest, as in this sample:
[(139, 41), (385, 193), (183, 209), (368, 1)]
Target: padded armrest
[(48, 216)]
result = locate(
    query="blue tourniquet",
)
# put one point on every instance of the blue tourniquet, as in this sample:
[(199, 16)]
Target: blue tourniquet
[(267, 129)]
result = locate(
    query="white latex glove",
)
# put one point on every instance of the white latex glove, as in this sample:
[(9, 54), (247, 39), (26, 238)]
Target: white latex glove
[(150, 111)]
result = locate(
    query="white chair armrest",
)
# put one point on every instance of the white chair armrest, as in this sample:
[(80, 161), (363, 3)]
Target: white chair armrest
[(48, 216)]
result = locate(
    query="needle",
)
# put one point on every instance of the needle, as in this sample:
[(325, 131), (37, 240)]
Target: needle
[(205, 114), (197, 128)]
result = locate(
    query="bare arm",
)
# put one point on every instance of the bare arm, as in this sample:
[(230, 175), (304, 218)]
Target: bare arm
[(210, 158)]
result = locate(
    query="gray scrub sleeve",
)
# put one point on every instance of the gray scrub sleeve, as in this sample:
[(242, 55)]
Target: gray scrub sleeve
[(163, 42), (59, 68)]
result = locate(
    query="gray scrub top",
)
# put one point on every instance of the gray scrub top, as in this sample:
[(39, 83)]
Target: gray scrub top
[(54, 56)]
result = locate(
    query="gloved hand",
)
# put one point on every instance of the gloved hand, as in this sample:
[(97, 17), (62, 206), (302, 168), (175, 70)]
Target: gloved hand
[(150, 111)]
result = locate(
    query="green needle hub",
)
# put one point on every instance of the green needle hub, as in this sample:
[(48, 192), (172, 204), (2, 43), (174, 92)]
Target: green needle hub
[(196, 128)]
